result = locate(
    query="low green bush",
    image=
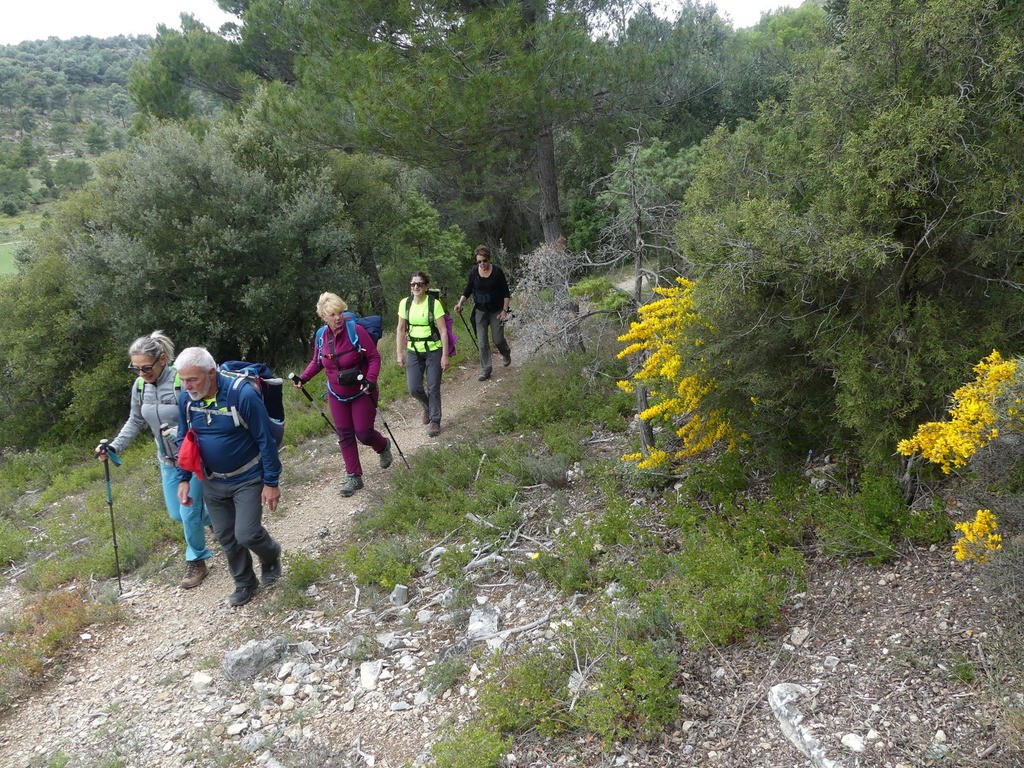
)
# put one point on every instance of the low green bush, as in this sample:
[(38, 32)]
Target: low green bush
[(601, 293), (632, 694), (301, 571), (441, 676), (721, 590), (873, 521), (384, 562), (529, 694), (474, 746), (551, 394)]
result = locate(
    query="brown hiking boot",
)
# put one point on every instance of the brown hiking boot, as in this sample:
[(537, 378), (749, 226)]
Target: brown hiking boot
[(195, 572), (434, 429)]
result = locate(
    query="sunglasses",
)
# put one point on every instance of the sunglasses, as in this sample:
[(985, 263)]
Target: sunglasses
[(416, 285), (142, 368), (482, 261)]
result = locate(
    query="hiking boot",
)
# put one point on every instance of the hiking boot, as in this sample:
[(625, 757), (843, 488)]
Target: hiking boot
[(426, 417), (484, 376), (352, 484), (506, 360), (271, 573), (434, 429), (243, 595), (195, 572), (385, 456)]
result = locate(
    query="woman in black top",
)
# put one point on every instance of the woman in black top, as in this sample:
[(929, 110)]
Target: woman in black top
[(489, 289)]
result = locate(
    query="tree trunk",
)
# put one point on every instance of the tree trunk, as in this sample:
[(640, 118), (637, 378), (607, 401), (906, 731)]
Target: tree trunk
[(547, 182)]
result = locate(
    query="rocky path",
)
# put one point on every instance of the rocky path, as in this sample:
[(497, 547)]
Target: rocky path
[(895, 666), (128, 690)]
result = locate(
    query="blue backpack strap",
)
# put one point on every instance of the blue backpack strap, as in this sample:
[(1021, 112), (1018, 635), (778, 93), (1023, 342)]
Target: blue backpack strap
[(232, 404), (353, 335), (320, 336)]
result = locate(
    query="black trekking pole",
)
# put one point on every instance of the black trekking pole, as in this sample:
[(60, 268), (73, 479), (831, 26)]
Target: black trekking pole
[(108, 453), (472, 333), (295, 379), (395, 442), (370, 388)]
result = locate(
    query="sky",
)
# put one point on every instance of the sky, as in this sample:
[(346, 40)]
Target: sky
[(40, 19), (746, 13)]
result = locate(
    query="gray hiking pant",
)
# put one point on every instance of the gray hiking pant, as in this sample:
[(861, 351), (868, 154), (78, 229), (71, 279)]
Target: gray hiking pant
[(428, 364), (484, 321), (236, 511)]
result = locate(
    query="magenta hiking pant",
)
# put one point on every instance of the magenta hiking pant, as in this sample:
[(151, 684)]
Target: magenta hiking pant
[(353, 420)]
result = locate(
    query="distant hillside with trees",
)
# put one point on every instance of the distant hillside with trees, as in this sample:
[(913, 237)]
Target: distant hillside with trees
[(61, 101)]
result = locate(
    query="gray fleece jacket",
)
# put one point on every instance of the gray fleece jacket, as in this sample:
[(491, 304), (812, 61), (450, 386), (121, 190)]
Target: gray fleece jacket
[(157, 405)]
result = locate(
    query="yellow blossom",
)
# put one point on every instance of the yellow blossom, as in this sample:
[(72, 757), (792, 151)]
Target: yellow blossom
[(972, 423), (978, 537), (669, 333)]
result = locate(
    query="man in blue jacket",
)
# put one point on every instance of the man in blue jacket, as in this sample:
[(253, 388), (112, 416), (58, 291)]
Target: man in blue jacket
[(240, 468)]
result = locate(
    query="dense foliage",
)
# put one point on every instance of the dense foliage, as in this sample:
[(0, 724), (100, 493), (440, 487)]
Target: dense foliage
[(857, 247), (225, 240)]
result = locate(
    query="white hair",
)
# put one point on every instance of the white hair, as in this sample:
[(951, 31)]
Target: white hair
[(195, 357)]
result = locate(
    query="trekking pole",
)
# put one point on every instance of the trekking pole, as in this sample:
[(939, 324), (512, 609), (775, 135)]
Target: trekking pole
[(385, 423), (108, 453), (370, 389), (295, 379), (472, 333)]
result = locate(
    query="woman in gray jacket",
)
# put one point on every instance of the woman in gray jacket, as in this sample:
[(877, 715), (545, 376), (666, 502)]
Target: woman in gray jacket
[(154, 402)]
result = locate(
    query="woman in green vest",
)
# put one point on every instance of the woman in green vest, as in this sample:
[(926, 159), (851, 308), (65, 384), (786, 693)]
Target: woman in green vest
[(422, 348)]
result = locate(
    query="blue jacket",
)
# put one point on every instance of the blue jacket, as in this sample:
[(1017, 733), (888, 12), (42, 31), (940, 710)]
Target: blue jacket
[(226, 447)]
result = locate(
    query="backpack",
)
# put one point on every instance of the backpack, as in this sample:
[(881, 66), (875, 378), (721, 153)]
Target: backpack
[(270, 388), (372, 324), (433, 296), (140, 385)]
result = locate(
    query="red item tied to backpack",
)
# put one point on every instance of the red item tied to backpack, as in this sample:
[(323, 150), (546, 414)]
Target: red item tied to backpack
[(189, 457)]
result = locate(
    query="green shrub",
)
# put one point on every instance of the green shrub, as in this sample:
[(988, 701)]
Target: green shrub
[(871, 521), (632, 695), (722, 589), (549, 394), (474, 746), (530, 694), (716, 482), (386, 563), (441, 676), (601, 293), (300, 572), (13, 543), (570, 563)]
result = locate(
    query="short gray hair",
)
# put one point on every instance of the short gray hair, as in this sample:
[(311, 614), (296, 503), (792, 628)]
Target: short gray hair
[(195, 357)]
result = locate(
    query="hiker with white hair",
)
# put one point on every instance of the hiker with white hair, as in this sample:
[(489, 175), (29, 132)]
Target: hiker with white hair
[(226, 437)]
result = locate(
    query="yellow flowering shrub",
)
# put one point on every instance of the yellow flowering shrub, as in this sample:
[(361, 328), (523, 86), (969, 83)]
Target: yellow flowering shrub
[(668, 332), (978, 537), (973, 418)]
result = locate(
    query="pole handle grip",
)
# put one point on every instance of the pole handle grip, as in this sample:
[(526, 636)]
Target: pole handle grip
[(110, 453)]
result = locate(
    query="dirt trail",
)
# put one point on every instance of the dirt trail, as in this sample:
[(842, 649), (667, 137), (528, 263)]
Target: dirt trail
[(122, 673)]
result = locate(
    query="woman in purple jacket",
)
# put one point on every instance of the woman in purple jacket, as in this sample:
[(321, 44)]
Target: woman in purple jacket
[(351, 371)]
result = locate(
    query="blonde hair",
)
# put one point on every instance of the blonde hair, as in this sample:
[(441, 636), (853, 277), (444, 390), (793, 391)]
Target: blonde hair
[(153, 346), (329, 304)]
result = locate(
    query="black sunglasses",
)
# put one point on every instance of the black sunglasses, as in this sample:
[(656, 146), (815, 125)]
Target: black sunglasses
[(413, 285), (142, 368)]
